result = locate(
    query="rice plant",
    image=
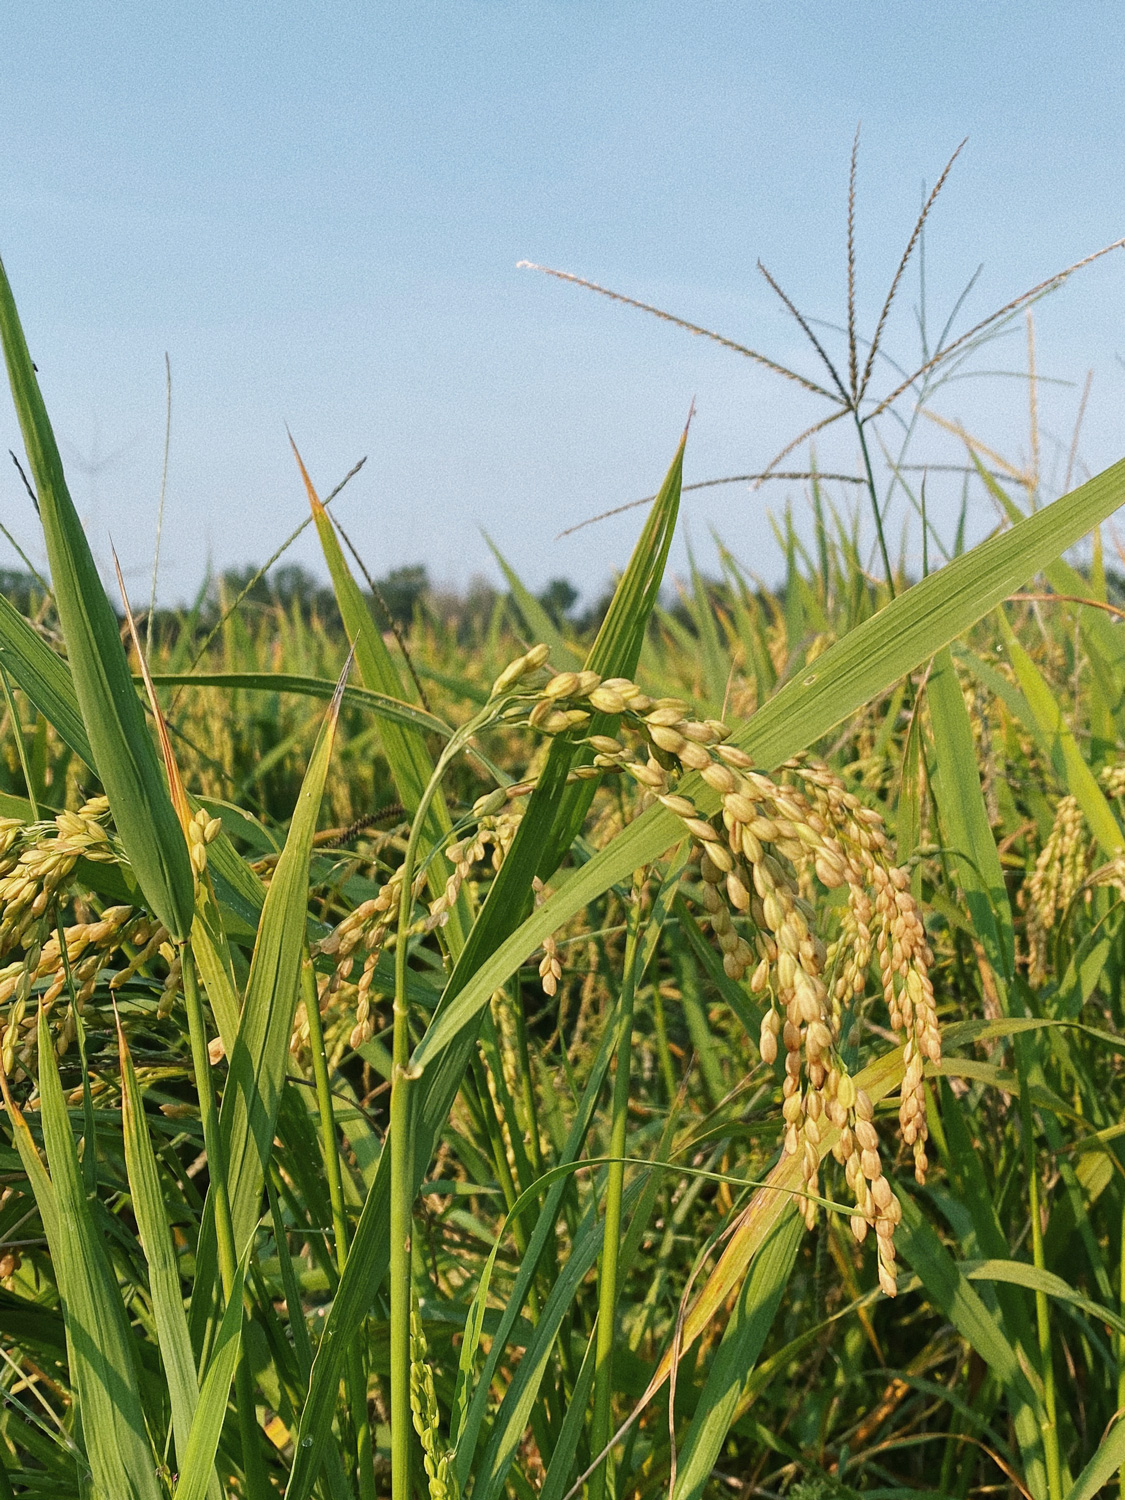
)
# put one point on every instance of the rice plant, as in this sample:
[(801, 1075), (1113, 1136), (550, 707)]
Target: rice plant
[(684, 1060)]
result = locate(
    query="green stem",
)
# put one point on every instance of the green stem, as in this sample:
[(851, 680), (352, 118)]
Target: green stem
[(253, 1467), (875, 505), (1050, 1426), (355, 1379), (600, 1431)]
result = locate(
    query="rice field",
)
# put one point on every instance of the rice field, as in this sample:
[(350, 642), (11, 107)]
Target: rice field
[(496, 1058)]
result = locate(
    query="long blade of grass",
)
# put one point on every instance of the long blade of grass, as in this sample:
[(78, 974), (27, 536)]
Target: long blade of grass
[(742, 1342), (44, 677), (256, 1076), (470, 1421), (1102, 638), (258, 1061), (42, 1188), (1019, 1273), (103, 1355), (956, 787), (1066, 756), (969, 1182), (1106, 1461), (523, 1391), (156, 1241), (393, 709), (947, 1286), (562, 1459), (617, 649), (531, 614), (470, 1416), (216, 967), (123, 753), (197, 1467)]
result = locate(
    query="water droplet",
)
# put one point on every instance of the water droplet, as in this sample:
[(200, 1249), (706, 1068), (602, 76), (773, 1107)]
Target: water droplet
[(306, 1442)]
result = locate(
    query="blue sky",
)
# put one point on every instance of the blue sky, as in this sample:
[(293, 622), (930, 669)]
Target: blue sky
[(317, 212)]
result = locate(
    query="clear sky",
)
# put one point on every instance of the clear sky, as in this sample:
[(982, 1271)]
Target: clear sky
[(317, 212)]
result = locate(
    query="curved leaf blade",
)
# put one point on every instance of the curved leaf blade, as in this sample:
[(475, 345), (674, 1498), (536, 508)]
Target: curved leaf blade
[(103, 1357), (156, 1241), (123, 753)]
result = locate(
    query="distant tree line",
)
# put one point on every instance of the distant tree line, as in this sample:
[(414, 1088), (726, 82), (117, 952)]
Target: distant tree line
[(397, 598)]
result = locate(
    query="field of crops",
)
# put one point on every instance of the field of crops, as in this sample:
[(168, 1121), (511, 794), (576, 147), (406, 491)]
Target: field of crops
[(676, 1056)]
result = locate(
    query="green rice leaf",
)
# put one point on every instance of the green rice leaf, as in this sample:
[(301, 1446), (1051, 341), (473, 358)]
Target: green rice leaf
[(197, 1468), (562, 1459), (523, 1390), (44, 677), (948, 1288), (392, 709), (1103, 640), (256, 1074), (968, 1180), (1101, 1468), (156, 1241), (43, 1189), (537, 623), (123, 753), (470, 1420), (1066, 756), (616, 652), (258, 1061), (964, 820), (1020, 1273), (213, 959), (742, 1342), (908, 823), (103, 1356)]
